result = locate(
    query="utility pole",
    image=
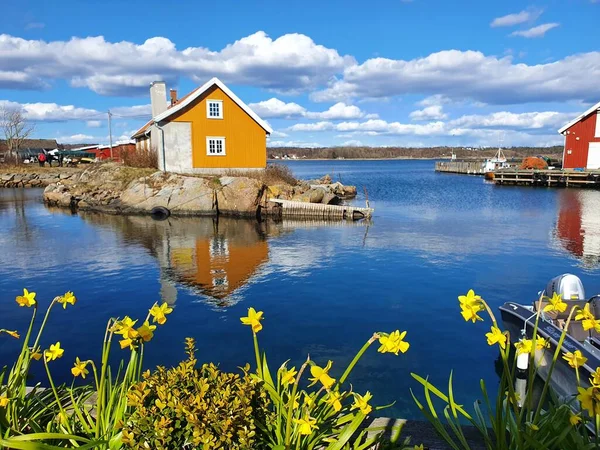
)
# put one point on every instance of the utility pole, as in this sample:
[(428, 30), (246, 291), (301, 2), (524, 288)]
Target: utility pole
[(110, 133)]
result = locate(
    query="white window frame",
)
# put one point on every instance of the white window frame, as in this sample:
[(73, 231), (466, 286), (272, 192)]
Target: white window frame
[(597, 133), (208, 103), (208, 139)]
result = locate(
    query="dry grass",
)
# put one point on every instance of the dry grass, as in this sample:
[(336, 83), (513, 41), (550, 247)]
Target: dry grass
[(126, 175), (272, 175), (141, 158)]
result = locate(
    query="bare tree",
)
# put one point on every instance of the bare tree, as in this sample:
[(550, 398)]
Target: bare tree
[(15, 128)]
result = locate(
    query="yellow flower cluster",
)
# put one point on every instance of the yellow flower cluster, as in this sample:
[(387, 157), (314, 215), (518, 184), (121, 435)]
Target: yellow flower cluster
[(361, 402), (393, 342), (470, 306), (527, 345), (133, 336), (588, 321)]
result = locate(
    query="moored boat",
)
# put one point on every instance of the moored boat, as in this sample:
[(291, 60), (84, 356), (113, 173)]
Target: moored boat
[(520, 319)]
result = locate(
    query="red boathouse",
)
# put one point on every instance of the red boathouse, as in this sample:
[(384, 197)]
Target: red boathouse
[(582, 140)]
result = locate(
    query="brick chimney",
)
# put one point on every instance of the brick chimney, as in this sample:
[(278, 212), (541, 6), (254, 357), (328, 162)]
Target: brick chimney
[(158, 97), (173, 93)]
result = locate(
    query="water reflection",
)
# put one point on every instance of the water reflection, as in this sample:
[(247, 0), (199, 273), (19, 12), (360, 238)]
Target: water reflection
[(578, 225), (215, 258)]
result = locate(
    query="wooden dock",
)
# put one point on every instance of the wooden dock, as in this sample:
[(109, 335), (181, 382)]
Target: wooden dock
[(464, 167), (550, 178), (290, 208)]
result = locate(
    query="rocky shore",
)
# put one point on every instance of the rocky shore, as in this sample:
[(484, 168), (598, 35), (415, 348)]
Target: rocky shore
[(115, 189), (36, 179)]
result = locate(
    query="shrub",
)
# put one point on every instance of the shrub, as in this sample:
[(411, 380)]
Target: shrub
[(273, 174), (141, 158), (187, 407)]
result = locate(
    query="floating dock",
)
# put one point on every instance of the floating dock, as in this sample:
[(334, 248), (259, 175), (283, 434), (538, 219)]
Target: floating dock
[(464, 167), (290, 208), (550, 178)]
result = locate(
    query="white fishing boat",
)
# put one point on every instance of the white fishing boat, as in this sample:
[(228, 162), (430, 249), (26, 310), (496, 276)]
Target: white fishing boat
[(499, 161)]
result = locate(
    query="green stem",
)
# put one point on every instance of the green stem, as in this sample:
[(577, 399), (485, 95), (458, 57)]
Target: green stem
[(37, 340), (257, 355), (288, 424), (356, 359), (62, 411)]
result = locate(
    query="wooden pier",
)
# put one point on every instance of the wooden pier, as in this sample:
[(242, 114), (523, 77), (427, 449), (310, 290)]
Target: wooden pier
[(290, 208), (464, 167), (550, 178)]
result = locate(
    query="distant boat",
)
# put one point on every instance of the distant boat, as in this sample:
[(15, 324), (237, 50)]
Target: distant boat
[(499, 161)]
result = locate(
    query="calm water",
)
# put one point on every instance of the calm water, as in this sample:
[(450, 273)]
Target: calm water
[(324, 289)]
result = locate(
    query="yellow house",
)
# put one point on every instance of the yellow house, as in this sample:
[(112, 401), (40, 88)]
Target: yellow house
[(208, 130)]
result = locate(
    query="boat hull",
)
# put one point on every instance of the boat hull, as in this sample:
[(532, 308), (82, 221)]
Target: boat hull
[(520, 322)]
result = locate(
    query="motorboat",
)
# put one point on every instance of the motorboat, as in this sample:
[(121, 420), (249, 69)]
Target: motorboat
[(499, 161), (520, 319)]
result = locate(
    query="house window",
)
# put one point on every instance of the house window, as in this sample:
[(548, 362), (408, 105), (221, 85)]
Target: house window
[(214, 109), (597, 124), (215, 146)]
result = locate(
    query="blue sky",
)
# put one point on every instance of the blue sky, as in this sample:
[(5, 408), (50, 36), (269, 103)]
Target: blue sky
[(380, 73)]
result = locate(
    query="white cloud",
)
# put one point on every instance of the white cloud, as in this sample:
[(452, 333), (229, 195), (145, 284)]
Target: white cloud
[(293, 144), (470, 75), (352, 143), (433, 100), (516, 18), (133, 111), (434, 112), (535, 32), (51, 112), (277, 108), (549, 120), (78, 139), (291, 62), (279, 134), (93, 123), (280, 109)]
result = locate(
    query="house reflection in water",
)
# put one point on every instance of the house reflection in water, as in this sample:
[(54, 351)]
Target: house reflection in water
[(214, 257), (217, 257), (578, 225)]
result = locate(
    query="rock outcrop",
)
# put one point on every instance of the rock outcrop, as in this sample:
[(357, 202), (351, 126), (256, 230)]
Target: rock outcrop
[(116, 189), (36, 179)]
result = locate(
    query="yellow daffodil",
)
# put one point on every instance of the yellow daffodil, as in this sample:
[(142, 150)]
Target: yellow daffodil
[(54, 352), (533, 426), (124, 343), (79, 369), (575, 359), (586, 397), (362, 402), (524, 346), (322, 375), (27, 299), (555, 304), (288, 376), (588, 321), (595, 380), (334, 399), (159, 313), (307, 400), (253, 319), (496, 337), (541, 343), (36, 354), (146, 331), (306, 425), (126, 328), (67, 298), (11, 333), (393, 343), (470, 306), (574, 419), (419, 447), (3, 401)]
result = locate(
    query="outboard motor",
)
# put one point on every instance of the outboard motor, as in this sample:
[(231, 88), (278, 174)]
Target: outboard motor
[(568, 285)]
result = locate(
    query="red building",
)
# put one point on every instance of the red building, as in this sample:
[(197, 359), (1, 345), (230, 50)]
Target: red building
[(582, 140), (103, 152)]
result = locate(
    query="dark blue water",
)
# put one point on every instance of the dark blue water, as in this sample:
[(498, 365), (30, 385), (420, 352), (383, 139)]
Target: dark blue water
[(324, 288)]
